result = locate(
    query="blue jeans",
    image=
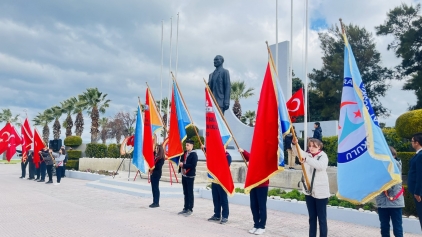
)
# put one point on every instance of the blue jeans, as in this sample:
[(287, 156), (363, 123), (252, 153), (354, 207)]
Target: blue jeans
[(393, 214), (59, 173), (258, 198), (317, 210), (219, 199), (43, 169)]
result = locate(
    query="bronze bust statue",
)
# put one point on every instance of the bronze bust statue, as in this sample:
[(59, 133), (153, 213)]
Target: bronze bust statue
[(219, 83)]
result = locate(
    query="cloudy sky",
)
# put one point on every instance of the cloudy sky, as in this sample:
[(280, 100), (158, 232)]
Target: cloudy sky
[(53, 50)]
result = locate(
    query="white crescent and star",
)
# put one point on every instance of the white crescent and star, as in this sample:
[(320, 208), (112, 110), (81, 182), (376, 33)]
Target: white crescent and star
[(297, 105)]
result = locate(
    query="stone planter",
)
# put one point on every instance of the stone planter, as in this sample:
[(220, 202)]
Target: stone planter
[(84, 175)]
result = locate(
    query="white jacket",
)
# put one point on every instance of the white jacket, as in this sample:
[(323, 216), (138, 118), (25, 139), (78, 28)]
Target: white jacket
[(321, 188)]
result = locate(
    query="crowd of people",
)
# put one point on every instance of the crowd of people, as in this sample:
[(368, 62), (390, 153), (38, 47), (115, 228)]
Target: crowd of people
[(38, 170)]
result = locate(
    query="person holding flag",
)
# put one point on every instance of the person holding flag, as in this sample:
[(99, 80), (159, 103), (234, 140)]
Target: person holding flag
[(31, 165), (187, 166), (156, 173)]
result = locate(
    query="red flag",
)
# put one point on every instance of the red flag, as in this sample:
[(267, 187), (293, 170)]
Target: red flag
[(38, 146), (295, 105), (131, 141), (148, 146), (4, 135), (263, 160), (26, 134), (217, 163), (13, 140), (174, 142)]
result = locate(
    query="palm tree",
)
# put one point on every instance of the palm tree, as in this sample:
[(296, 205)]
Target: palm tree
[(57, 113), (250, 117), (237, 92), (96, 103), (103, 122), (165, 103), (6, 116), (79, 121), (43, 119), (68, 106)]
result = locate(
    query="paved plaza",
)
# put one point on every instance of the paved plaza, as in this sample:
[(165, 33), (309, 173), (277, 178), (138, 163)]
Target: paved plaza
[(73, 209)]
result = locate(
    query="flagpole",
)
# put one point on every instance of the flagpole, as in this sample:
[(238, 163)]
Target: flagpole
[(221, 114), (276, 35), (190, 117), (297, 145), (177, 42), (305, 117), (161, 73), (290, 77), (169, 94)]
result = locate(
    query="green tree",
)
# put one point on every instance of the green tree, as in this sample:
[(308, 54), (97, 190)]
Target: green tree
[(327, 82), (6, 116), (57, 113), (103, 122), (249, 118), (95, 102), (68, 106), (239, 91), (404, 23), (43, 119), (165, 104), (79, 121)]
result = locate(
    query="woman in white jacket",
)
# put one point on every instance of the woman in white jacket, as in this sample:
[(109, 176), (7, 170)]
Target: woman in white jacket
[(59, 165), (316, 163)]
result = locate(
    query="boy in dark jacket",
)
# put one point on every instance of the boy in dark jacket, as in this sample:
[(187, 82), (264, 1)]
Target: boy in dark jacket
[(187, 166)]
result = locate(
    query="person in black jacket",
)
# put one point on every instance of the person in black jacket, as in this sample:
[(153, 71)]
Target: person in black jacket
[(65, 161), (43, 166), (187, 166), (31, 165), (156, 175), (317, 131), (414, 175), (24, 163)]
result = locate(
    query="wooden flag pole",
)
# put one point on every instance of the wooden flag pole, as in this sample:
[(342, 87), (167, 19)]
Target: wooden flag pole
[(183, 100), (221, 114)]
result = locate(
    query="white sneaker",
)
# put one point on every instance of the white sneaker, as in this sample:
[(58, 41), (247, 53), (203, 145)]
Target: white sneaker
[(252, 230), (259, 231), (56, 183)]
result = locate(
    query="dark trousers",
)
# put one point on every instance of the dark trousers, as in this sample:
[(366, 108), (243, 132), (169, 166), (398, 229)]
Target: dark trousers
[(155, 181), (59, 172), (64, 170), (317, 210), (258, 198), (50, 172), (23, 168), (43, 169), (393, 214), (219, 199), (419, 210), (187, 184), (31, 170)]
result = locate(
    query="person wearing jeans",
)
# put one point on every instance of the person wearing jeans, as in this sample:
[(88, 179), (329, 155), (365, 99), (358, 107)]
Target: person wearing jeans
[(187, 166), (156, 173), (316, 163), (59, 165), (48, 157)]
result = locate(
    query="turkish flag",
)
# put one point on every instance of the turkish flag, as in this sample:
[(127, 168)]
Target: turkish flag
[(12, 139), (26, 139), (295, 105), (38, 146)]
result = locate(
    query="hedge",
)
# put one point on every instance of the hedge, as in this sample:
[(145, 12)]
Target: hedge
[(74, 154), (405, 159), (96, 150), (409, 123), (113, 151), (409, 203), (394, 140), (330, 147), (73, 141), (72, 164), (197, 145)]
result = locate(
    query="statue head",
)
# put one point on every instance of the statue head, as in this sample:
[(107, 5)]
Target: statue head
[(218, 61)]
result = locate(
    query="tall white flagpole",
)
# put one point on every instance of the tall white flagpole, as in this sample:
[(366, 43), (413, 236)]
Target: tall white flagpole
[(276, 37), (177, 43), (161, 73), (305, 117), (170, 79), (289, 78)]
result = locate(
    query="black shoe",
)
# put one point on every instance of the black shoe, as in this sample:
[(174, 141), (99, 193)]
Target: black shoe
[(21, 177), (214, 218), (223, 220), (30, 178), (49, 182), (154, 205), (182, 212), (39, 181), (188, 213)]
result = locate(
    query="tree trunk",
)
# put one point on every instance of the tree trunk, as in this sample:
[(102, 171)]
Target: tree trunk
[(45, 134), (79, 124), (95, 116), (237, 109), (69, 125), (56, 129)]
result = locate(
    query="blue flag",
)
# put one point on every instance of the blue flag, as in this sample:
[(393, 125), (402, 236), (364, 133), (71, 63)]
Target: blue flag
[(365, 165), (138, 158)]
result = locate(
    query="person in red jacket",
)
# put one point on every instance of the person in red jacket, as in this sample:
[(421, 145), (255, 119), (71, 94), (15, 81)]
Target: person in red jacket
[(258, 203)]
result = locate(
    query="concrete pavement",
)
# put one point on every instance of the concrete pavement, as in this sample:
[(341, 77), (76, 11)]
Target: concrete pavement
[(73, 209)]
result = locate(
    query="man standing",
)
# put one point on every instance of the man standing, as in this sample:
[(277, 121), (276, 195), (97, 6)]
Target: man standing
[(414, 176), (317, 131), (219, 83), (31, 165), (43, 167), (288, 146), (187, 165), (24, 163)]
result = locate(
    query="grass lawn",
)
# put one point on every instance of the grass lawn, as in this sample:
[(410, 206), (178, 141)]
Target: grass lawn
[(11, 161)]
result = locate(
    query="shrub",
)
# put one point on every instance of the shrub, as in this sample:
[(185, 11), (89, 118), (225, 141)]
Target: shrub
[(405, 159), (73, 141), (113, 151), (409, 203), (239, 190), (294, 194), (190, 132), (74, 155), (330, 147), (394, 140), (409, 123), (274, 192), (197, 145), (72, 164), (96, 150)]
